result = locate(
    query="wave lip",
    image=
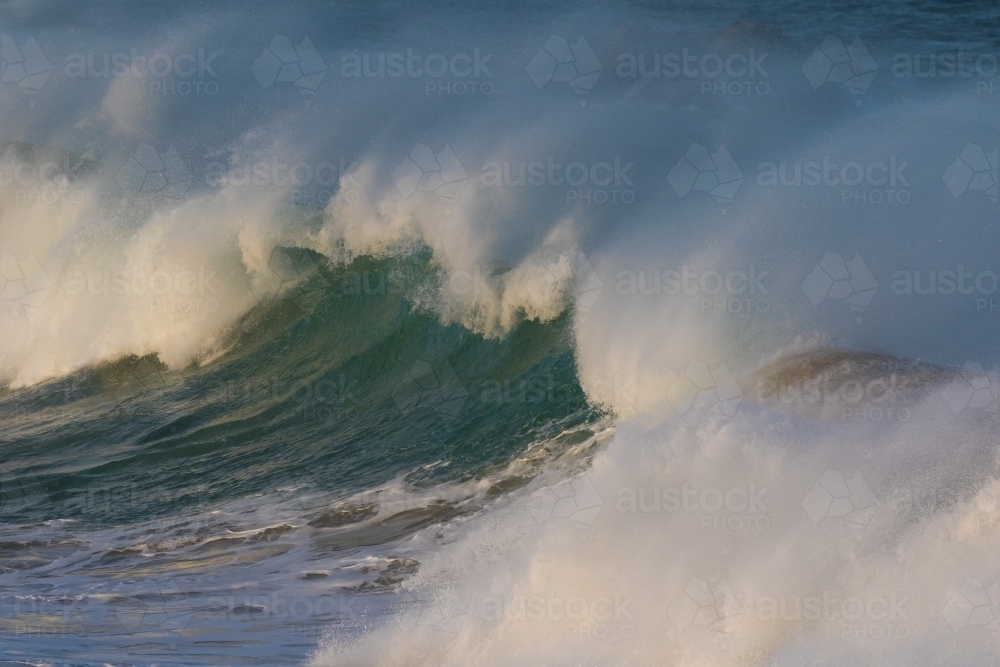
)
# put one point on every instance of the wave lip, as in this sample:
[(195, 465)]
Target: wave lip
[(823, 384)]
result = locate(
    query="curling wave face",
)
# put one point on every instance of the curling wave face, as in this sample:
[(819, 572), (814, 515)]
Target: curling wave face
[(362, 377)]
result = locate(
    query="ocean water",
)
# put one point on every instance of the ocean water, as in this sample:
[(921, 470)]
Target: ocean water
[(513, 333)]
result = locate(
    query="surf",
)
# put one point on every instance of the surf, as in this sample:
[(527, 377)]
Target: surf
[(417, 410)]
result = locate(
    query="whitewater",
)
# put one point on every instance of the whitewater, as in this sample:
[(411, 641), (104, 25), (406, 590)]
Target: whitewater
[(499, 334)]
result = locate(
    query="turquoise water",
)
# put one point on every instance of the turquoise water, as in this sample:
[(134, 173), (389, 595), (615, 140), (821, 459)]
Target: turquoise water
[(337, 401), (312, 392)]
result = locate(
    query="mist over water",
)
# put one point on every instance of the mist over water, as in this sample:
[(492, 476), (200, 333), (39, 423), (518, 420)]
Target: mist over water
[(436, 334)]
